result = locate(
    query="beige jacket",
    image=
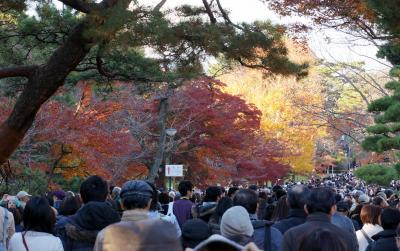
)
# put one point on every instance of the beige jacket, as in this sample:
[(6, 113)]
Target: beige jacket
[(11, 225), (129, 215)]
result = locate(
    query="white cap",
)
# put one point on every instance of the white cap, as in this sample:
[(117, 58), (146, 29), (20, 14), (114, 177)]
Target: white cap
[(22, 194)]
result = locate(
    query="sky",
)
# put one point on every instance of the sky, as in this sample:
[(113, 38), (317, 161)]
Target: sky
[(331, 45), (328, 44)]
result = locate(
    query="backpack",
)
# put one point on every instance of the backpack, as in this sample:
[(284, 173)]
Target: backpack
[(171, 218), (3, 244), (267, 229)]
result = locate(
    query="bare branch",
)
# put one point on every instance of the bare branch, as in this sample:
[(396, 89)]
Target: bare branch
[(18, 71)]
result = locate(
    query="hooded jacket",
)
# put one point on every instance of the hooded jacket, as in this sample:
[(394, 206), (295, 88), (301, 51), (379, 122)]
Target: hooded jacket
[(80, 231)]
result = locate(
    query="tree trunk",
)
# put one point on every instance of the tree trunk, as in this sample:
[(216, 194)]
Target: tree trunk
[(40, 87), (158, 158)]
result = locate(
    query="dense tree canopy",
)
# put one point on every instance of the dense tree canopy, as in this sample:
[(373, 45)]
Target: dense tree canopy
[(105, 41)]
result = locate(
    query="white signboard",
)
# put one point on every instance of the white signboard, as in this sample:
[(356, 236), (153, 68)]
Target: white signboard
[(174, 170)]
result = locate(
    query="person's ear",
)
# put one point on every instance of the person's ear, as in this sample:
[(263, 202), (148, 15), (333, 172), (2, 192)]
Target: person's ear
[(305, 209), (333, 210), (122, 205), (149, 204)]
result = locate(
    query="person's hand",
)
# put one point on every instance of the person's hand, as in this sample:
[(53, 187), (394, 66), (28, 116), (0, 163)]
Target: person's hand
[(5, 196), (251, 247)]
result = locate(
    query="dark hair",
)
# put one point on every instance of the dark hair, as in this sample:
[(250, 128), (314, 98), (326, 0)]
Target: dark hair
[(70, 205), (50, 199), (232, 191), (17, 215), (154, 198), (322, 239), (246, 198), (390, 218), (253, 187), (281, 210), (321, 199), (370, 214), (212, 194), (184, 187), (164, 198), (297, 196), (377, 200), (94, 188), (39, 216), (223, 204)]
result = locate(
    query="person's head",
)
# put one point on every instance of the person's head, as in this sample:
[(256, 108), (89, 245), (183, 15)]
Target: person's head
[(321, 200), (236, 222), (363, 199), (380, 202), (370, 214), (115, 193), (94, 188), (297, 196), (70, 205), (185, 188), (164, 198), (213, 194), (39, 216), (343, 207), (194, 231), (154, 197), (253, 187), (136, 194), (322, 239), (23, 196), (223, 204), (246, 198), (390, 218), (232, 191), (58, 195), (281, 210)]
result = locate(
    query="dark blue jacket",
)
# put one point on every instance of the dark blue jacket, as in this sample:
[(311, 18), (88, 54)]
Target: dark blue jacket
[(259, 235)]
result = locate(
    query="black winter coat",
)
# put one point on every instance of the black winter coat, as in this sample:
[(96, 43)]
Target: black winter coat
[(384, 241), (79, 232), (296, 217)]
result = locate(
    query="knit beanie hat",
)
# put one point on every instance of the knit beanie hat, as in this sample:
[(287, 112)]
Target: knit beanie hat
[(236, 221)]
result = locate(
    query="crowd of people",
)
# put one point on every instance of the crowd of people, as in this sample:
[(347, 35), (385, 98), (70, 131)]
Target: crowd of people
[(337, 213)]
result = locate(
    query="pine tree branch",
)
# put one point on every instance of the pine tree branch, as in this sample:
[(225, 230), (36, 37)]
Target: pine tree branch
[(83, 6), (226, 16), (159, 5), (18, 71), (213, 20)]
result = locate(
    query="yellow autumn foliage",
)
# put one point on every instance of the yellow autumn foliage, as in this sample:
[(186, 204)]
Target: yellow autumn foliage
[(284, 118)]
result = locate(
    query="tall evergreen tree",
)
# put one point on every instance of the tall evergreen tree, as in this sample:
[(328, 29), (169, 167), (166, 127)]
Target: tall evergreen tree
[(385, 134), (105, 39)]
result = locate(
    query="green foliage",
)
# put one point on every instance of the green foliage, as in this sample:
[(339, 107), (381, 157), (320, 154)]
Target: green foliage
[(68, 185), (380, 104), (370, 143), (34, 182), (377, 174), (388, 108), (378, 129)]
